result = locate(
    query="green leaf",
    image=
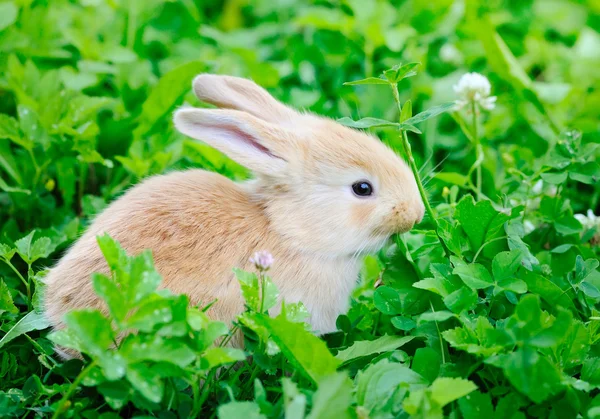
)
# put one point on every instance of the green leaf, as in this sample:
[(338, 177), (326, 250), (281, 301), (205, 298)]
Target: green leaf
[(365, 123), (481, 222), (146, 381), (562, 248), (406, 111), (333, 398), (387, 300), (368, 80), (551, 293), (305, 351), (28, 323), (157, 349), (437, 316), (30, 125), (445, 390), (369, 347), (460, 300), (93, 330), (588, 173), (116, 393), (108, 290), (399, 72), (7, 252), (531, 373), (481, 340), (251, 290), (240, 410), (379, 382), (166, 94), (477, 405), (505, 264), (426, 362), (30, 250), (589, 289), (9, 126), (583, 269), (590, 371), (6, 301), (567, 224), (475, 276), (554, 178), (429, 113), (218, 356), (8, 14), (403, 323), (452, 178), (23, 246)]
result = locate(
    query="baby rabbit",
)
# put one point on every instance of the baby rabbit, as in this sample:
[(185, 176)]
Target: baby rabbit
[(322, 196)]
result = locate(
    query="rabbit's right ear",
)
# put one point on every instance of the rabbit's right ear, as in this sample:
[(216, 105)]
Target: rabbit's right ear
[(259, 145), (243, 95)]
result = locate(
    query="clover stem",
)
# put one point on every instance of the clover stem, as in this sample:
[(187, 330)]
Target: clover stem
[(63, 403), (261, 278), (478, 151), (413, 167), (23, 280), (442, 348)]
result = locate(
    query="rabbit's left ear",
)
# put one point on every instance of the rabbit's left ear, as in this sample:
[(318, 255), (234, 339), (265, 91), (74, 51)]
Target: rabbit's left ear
[(243, 95), (260, 146)]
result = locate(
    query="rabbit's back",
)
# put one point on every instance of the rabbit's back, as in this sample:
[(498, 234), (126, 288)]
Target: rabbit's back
[(198, 225)]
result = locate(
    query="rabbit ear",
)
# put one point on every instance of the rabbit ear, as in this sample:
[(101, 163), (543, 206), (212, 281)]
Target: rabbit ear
[(260, 146), (241, 94)]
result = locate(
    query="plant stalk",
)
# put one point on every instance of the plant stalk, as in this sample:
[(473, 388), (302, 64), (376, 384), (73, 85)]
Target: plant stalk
[(478, 151), (413, 167), (63, 403)]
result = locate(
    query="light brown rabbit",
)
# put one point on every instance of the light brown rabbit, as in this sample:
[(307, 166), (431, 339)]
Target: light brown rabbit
[(323, 195)]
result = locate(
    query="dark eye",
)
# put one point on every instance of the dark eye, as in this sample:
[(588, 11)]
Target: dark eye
[(362, 188)]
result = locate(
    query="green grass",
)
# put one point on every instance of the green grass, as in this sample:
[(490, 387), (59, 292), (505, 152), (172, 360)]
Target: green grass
[(490, 308)]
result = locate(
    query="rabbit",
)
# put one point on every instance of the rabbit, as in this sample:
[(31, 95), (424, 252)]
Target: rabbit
[(322, 196)]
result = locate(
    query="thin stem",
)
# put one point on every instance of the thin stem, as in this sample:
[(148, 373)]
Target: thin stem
[(485, 244), (261, 278), (439, 335), (478, 150), (23, 280), (63, 403), (413, 167), (201, 394), (81, 186), (17, 272), (415, 170), (38, 170), (232, 332)]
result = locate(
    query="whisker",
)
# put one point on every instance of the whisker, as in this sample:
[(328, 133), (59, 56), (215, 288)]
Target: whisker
[(437, 166), (425, 163)]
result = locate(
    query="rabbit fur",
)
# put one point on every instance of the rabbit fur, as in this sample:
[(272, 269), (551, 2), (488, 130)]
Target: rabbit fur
[(300, 206)]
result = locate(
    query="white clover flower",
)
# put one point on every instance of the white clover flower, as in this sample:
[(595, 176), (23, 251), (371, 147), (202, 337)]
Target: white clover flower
[(262, 260), (588, 220), (474, 88)]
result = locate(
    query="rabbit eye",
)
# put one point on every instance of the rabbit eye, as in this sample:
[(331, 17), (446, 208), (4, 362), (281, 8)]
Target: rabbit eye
[(362, 188)]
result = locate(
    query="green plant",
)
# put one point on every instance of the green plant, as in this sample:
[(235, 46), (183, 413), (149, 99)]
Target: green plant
[(488, 308)]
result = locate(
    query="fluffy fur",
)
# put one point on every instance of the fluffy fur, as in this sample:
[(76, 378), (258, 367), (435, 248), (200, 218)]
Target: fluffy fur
[(300, 207)]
